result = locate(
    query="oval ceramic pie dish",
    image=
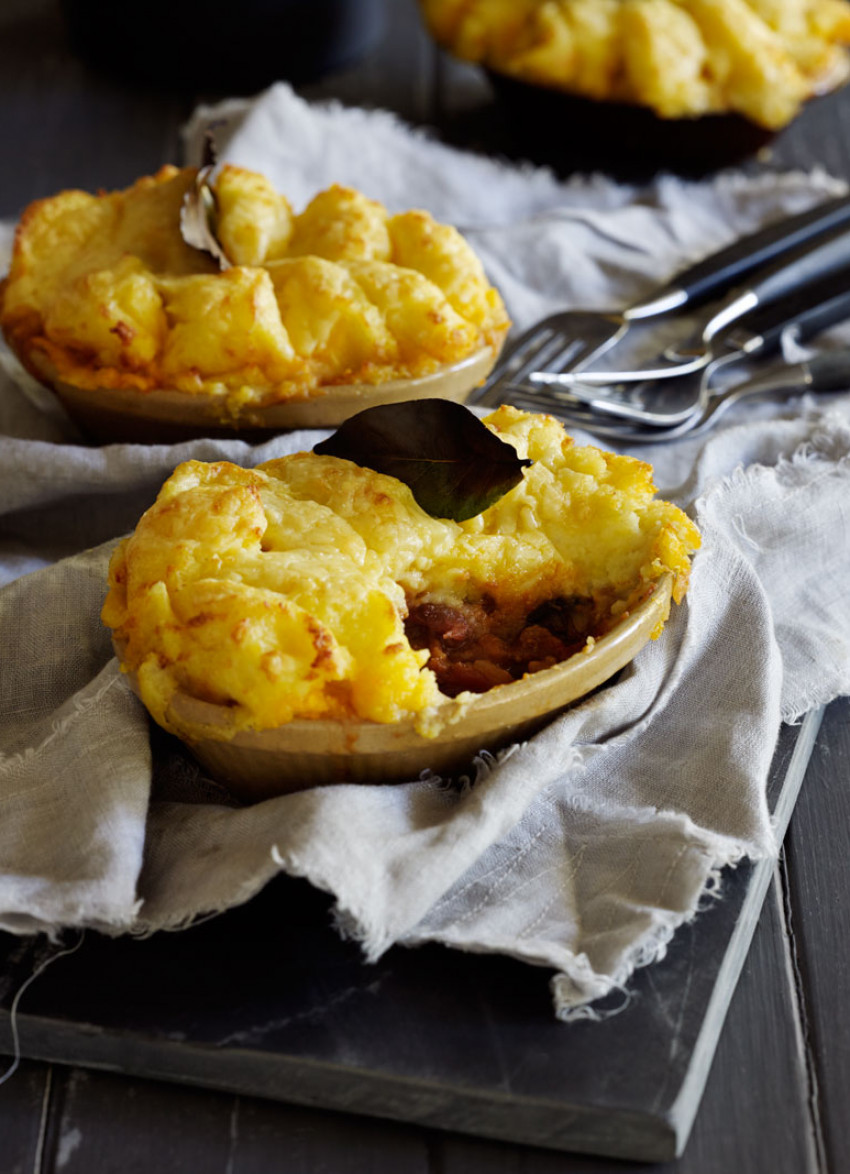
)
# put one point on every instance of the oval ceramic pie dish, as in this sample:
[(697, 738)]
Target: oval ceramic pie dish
[(200, 303), (626, 140), (258, 765), (421, 586)]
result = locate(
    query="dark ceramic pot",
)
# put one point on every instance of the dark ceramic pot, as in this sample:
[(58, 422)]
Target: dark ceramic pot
[(239, 46)]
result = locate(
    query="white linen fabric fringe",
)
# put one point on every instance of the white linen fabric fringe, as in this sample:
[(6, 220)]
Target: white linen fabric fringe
[(580, 850)]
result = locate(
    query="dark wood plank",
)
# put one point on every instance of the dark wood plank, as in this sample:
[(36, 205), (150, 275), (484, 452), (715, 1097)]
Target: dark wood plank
[(103, 1122), (66, 125), (759, 1077), (819, 138), (398, 74), (106, 1122), (63, 125), (24, 1112), (25, 1091), (819, 883), (269, 1137)]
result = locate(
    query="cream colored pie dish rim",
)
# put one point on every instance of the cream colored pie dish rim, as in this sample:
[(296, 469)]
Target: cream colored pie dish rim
[(129, 414), (258, 765)]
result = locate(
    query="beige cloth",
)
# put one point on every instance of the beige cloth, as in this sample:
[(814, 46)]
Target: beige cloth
[(581, 850)]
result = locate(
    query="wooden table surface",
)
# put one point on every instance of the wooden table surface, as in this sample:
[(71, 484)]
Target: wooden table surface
[(62, 125)]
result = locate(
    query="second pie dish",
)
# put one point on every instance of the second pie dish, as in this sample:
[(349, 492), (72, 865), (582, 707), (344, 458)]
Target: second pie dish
[(310, 317)]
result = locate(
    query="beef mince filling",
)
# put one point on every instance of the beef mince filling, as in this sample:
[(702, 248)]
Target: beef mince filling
[(474, 646)]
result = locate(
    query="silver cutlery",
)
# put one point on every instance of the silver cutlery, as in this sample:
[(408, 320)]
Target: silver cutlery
[(795, 272), (571, 339), (826, 372), (666, 402)]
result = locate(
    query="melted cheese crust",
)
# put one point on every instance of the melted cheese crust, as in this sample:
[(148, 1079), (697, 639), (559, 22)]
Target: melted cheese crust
[(105, 289), (282, 591), (681, 58)]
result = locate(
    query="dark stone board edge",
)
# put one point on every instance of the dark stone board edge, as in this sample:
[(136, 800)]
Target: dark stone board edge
[(658, 1135), (685, 1107)]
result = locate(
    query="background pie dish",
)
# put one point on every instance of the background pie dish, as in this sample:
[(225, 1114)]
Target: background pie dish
[(316, 315), (696, 83), (311, 609)]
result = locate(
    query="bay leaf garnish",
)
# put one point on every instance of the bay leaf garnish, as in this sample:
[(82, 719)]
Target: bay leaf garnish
[(199, 210), (454, 465)]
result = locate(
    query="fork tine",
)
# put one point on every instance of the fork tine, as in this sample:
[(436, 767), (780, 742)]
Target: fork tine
[(558, 402), (520, 397), (526, 347), (564, 341), (550, 352), (541, 347), (577, 353), (528, 352), (529, 396)]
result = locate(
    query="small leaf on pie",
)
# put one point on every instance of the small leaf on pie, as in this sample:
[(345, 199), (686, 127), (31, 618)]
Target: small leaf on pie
[(454, 465)]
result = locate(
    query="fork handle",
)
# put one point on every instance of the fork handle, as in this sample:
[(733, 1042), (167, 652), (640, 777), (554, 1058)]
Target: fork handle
[(827, 371), (722, 270)]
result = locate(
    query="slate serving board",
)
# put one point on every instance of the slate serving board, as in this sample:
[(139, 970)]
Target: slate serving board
[(266, 1000)]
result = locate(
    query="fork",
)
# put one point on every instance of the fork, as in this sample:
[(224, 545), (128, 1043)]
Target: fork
[(662, 403), (571, 339), (805, 267), (826, 372)]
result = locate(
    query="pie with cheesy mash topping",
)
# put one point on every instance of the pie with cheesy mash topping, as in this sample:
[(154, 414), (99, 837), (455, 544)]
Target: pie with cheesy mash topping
[(311, 587), (680, 58), (103, 293)]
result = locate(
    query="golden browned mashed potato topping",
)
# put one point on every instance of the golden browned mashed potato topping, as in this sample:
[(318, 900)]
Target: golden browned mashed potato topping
[(681, 58), (103, 291), (313, 588)]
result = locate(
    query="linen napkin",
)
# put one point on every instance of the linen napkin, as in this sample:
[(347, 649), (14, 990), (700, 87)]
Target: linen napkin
[(580, 850)]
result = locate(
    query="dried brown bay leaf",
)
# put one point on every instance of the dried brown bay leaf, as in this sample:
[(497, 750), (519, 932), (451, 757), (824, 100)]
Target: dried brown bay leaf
[(454, 465), (199, 211)]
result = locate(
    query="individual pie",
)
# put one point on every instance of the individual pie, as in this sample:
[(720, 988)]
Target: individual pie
[(312, 588), (761, 59), (107, 303)]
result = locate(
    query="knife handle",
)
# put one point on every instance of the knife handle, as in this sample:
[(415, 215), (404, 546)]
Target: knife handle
[(804, 314), (724, 269), (797, 272)]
